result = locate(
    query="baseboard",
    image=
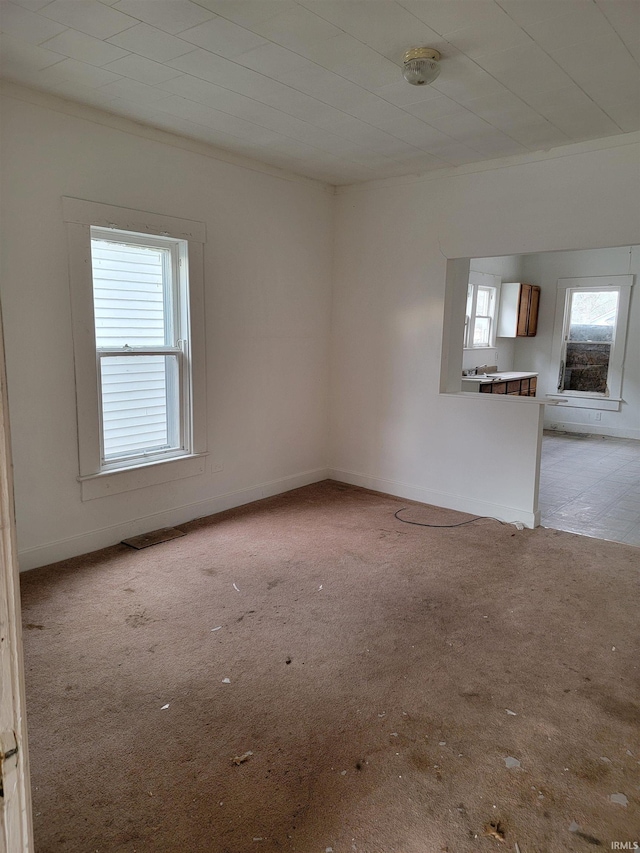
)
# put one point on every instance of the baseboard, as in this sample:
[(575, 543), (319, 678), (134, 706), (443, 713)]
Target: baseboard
[(62, 549), (442, 499), (594, 429)]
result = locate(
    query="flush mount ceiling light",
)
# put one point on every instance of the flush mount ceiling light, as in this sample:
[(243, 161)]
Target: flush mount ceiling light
[(421, 65)]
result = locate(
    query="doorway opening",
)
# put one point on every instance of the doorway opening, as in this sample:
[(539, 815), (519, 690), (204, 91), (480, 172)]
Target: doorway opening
[(590, 484), (579, 354)]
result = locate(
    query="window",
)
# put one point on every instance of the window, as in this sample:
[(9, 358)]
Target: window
[(138, 314), (590, 324), (141, 329), (590, 338), (482, 297)]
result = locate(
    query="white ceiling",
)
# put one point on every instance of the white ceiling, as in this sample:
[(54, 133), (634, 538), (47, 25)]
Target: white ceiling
[(315, 86)]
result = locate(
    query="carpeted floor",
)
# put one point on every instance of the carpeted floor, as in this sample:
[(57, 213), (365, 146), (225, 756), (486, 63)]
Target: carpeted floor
[(391, 689)]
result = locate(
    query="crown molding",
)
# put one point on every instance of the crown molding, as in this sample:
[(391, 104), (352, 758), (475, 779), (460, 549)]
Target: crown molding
[(571, 150), (124, 124)]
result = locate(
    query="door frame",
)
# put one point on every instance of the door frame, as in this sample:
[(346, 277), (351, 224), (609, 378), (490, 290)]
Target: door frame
[(16, 821)]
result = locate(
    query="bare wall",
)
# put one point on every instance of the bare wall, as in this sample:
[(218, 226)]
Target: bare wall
[(273, 323), (268, 290), (390, 427)]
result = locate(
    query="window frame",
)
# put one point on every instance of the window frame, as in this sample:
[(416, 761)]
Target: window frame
[(178, 320), (485, 281), (611, 398), (96, 478)]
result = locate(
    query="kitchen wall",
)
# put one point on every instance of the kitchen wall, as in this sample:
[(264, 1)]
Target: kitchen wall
[(395, 321), (268, 289), (536, 353), (509, 268)]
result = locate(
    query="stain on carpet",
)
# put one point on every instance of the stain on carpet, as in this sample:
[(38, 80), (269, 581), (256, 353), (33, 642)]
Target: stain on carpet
[(137, 620)]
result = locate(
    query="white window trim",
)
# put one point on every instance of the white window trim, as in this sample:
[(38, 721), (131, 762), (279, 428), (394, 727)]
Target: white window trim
[(179, 277), (79, 216), (480, 279), (590, 399)]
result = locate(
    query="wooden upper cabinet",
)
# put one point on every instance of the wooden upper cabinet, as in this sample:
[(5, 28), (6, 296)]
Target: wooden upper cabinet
[(519, 305), (534, 304)]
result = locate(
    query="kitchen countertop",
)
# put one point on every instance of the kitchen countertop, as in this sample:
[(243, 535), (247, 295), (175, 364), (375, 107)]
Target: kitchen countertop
[(504, 376)]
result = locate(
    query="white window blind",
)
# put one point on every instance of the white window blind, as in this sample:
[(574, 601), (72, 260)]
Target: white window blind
[(136, 315), (128, 294)]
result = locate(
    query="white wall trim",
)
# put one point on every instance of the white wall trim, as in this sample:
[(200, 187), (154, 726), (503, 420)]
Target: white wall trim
[(79, 215), (138, 128), (592, 429), (615, 377), (441, 499), (575, 401), (103, 537), (84, 212), (571, 150), (142, 476), (147, 131)]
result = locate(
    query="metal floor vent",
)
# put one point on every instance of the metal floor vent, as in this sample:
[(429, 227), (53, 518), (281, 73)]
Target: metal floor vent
[(145, 540)]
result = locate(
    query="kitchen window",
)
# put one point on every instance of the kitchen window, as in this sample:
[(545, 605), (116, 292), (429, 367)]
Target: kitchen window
[(137, 303), (589, 334), (590, 339), (480, 320)]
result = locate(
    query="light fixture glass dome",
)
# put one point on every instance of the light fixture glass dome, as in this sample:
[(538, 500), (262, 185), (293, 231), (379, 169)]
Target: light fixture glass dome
[(421, 66)]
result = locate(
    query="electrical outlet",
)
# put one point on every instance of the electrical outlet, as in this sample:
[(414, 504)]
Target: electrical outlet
[(597, 416)]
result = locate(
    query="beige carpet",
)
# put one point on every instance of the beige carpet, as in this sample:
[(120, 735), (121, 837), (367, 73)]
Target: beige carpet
[(375, 678)]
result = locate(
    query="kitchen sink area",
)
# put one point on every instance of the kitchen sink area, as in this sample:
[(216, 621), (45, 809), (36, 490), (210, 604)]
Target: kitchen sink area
[(514, 383), (501, 311)]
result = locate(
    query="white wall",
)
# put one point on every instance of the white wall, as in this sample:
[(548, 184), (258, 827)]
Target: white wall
[(536, 353), (272, 323), (390, 427), (268, 290)]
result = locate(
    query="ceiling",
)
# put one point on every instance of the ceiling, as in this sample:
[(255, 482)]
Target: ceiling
[(315, 86)]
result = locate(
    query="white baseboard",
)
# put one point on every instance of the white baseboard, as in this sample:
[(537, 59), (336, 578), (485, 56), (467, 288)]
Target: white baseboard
[(442, 499), (83, 543), (593, 429)]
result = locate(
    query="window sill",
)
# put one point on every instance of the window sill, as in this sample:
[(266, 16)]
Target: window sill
[(576, 401), (509, 399), (141, 476)]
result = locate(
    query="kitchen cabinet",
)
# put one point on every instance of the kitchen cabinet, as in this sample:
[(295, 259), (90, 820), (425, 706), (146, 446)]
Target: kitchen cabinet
[(519, 305), (525, 387)]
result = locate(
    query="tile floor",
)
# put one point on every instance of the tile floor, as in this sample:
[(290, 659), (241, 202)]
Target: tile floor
[(591, 485)]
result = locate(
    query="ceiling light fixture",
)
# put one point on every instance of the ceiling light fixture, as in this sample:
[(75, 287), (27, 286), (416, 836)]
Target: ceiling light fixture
[(421, 65)]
